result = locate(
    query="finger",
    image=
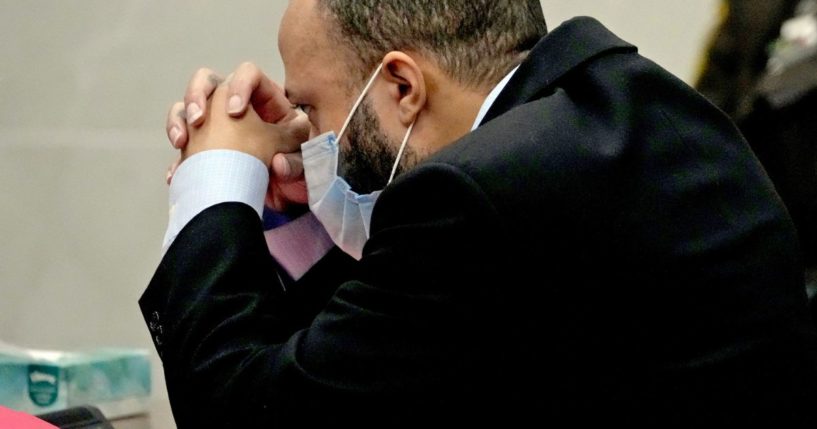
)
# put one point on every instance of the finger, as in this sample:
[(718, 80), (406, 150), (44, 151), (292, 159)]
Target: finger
[(199, 89), (281, 198), (176, 126), (277, 204), (290, 194), (292, 132), (298, 128), (287, 167), (171, 171), (248, 85), (272, 104), (275, 201), (287, 184)]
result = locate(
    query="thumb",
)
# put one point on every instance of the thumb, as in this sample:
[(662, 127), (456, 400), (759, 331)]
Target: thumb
[(293, 132), (287, 166)]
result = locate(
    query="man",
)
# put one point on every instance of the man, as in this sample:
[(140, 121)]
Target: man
[(601, 246)]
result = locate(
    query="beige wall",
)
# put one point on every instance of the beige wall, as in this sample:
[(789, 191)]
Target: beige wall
[(84, 87)]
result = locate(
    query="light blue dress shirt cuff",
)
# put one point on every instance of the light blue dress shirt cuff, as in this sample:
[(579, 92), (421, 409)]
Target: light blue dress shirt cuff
[(213, 177)]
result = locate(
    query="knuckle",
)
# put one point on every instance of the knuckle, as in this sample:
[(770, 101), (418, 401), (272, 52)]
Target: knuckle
[(191, 95), (201, 72), (247, 66), (214, 80), (180, 116), (248, 71), (175, 111), (197, 87)]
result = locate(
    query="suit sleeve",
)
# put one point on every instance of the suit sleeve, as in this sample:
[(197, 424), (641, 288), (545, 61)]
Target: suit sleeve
[(239, 349)]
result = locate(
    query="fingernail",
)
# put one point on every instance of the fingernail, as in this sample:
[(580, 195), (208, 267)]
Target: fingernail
[(235, 105), (283, 167), (193, 113), (175, 133)]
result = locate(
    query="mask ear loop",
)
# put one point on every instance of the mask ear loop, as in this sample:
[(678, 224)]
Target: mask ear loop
[(359, 100), (402, 148)]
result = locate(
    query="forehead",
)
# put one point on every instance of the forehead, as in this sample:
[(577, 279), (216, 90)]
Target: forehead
[(310, 54)]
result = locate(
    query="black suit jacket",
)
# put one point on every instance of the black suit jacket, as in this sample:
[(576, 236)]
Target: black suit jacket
[(604, 247)]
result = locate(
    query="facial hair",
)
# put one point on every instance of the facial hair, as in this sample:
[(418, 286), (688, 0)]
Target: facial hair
[(368, 158)]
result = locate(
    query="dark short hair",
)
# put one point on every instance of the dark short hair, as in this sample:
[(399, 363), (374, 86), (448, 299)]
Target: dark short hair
[(475, 42)]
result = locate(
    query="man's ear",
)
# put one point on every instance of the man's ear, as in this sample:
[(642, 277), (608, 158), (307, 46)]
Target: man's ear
[(407, 85)]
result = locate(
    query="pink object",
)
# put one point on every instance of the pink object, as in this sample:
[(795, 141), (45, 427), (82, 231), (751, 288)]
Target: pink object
[(299, 244), (16, 420)]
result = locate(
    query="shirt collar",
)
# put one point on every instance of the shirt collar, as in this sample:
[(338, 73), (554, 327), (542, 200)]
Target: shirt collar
[(492, 96)]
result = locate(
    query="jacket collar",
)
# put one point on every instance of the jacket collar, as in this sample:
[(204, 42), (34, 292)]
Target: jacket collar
[(562, 50)]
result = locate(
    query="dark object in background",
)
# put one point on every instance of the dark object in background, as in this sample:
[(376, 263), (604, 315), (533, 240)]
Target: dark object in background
[(782, 130), (86, 417), (776, 109), (738, 53)]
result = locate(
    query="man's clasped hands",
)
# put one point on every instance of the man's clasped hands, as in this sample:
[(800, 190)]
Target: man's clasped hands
[(245, 112)]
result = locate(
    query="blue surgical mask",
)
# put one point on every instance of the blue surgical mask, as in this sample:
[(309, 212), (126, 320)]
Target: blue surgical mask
[(345, 214)]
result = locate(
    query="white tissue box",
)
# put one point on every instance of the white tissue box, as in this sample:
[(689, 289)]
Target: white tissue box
[(117, 381)]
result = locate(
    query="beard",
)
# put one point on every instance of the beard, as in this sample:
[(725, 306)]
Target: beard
[(366, 162)]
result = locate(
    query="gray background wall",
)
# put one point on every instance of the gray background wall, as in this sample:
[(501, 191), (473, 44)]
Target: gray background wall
[(84, 88)]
